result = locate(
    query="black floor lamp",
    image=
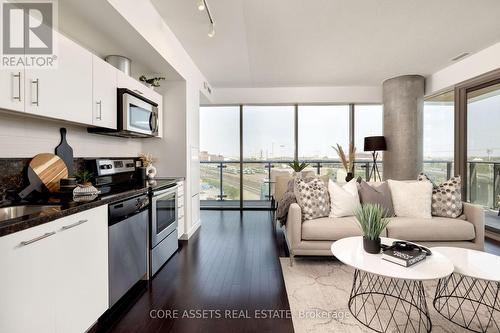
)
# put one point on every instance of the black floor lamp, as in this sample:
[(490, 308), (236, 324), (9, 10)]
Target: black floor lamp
[(375, 144)]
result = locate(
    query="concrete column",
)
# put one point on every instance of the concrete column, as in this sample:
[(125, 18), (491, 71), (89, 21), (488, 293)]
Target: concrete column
[(403, 99)]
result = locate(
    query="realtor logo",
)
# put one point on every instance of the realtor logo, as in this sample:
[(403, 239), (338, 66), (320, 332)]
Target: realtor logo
[(28, 33)]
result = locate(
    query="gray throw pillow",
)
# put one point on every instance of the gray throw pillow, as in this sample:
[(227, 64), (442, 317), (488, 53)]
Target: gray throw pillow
[(446, 197), (376, 194), (312, 197)]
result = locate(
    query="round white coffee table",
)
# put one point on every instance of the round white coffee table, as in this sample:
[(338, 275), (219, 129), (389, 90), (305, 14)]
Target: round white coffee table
[(387, 297), (470, 296)]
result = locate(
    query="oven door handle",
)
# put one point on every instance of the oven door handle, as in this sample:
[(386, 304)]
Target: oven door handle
[(170, 189)]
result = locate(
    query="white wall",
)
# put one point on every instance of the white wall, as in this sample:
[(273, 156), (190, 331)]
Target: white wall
[(170, 151), (477, 64), (22, 136), (149, 24), (369, 94)]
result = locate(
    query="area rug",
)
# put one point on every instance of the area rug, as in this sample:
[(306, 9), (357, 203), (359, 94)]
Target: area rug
[(318, 291)]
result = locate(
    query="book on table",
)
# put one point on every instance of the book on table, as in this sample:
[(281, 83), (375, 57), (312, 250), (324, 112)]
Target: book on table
[(404, 258)]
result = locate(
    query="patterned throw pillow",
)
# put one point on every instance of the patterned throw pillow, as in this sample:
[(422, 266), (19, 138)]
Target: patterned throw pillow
[(312, 197), (446, 197)]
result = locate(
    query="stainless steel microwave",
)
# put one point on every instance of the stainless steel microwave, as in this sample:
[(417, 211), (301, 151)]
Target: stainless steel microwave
[(137, 116)]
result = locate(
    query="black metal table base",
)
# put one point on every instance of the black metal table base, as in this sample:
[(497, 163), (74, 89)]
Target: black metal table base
[(471, 303), (389, 305)]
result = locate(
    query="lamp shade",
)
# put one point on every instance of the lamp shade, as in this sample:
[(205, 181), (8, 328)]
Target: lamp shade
[(375, 143)]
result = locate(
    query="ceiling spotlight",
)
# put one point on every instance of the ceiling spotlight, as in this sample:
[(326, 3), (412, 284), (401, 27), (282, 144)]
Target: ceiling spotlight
[(201, 5), (211, 30)]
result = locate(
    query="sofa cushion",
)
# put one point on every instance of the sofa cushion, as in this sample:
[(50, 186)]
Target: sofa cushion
[(434, 229), (446, 197), (312, 197), (377, 194), (411, 199), (344, 199), (327, 228)]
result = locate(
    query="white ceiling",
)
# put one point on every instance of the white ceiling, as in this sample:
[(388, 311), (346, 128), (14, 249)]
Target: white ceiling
[(271, 43)]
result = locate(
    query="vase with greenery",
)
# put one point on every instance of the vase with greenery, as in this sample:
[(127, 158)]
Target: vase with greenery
[(347, 161), (372, 221), (84, 177), (298, 167)]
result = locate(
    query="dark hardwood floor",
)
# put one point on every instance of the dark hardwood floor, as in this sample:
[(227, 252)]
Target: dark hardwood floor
[(232, 263)]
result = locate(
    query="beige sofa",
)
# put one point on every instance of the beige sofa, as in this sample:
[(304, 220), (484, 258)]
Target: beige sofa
[(315, 237)]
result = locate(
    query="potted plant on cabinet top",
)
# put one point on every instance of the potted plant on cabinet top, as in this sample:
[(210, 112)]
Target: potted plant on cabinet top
[(347, 162), (298, 167), (372, 221)]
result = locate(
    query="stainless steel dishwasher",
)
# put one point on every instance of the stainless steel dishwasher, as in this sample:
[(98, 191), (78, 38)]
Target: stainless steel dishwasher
[(128, 245)]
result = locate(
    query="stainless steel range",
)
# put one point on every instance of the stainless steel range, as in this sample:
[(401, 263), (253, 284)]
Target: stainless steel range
[(117, 175)]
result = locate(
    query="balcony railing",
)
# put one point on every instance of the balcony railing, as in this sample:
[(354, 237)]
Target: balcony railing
[(221, 180)]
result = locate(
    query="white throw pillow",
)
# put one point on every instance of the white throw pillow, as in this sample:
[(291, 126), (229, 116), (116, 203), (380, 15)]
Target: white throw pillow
[(344, 199), (411, 199)]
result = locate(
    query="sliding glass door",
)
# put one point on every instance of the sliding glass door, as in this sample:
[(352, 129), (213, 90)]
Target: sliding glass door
[(483, 149)]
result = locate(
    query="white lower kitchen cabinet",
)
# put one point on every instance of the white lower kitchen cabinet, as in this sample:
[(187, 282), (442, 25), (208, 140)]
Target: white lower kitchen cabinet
[(28, 280), (82, 288), (64, 92), (57, 281)]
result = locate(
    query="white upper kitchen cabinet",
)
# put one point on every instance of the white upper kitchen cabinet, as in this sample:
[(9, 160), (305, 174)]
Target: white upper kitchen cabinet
[(104, 93), (82, 289), (28, 280), (12, 89), (64, 92)]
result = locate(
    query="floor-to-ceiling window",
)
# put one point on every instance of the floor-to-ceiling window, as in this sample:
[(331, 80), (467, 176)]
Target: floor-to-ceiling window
[(238, 168), (483, 148), (319, 128), (439, 148), (220, 154), (268, 143), (368, 121), (478, 143)]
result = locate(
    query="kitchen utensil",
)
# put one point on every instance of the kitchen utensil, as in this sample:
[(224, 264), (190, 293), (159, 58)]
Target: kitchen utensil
[(35, 184), (45, 170), (65, 152)]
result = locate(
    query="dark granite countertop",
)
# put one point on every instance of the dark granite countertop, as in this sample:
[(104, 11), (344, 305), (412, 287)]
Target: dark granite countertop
[(64, 207)]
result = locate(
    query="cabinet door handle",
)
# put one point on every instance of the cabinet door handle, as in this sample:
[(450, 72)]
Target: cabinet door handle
[(37, 82), (99, 104), (18, 76), (28, 242), (139, 92), (66, 227)]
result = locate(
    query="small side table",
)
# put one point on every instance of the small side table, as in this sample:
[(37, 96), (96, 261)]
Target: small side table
[(387, 297), (475, 284)]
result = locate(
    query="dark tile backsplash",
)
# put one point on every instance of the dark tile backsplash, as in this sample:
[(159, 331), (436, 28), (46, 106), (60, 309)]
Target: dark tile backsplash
[(13, 173)]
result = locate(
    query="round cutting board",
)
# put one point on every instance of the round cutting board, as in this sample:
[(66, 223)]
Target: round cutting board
[(50, 169)]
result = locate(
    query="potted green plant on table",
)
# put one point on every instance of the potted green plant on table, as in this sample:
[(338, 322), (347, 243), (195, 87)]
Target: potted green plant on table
[(372, 221)]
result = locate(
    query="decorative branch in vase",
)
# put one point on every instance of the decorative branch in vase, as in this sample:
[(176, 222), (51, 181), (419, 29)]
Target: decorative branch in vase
[(347, 161), (147, 160)]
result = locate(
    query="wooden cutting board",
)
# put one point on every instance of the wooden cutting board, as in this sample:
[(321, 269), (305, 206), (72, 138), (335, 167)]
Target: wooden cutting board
[(50, 169)]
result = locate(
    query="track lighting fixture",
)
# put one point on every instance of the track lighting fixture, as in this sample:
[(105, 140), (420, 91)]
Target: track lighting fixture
[(211, 30), (201, 5)]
